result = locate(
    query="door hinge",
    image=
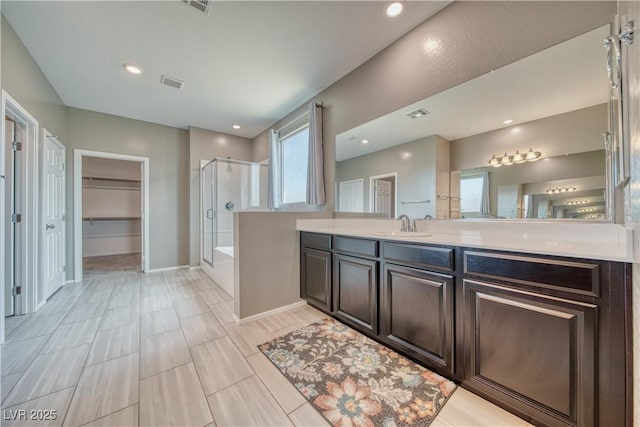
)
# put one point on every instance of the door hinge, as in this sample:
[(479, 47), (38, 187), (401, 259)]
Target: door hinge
[(16, 290), (16, 218), (16, 146), (64, 268)]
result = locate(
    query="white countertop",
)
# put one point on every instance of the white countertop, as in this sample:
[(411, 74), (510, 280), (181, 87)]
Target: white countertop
[(601, 241)]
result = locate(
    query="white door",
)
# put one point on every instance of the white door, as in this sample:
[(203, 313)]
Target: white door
[(352, 196), (7, 184), (382, 197), (53, 216)]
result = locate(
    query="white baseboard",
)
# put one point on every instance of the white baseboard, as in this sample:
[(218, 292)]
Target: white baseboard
[(197, 267), (268, 313), (177, 267), (69, 281)]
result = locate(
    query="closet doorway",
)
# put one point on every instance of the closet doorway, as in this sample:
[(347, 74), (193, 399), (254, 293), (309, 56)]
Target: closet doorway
[(111, 204)]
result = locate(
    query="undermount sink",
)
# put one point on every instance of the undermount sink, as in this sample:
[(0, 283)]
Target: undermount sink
[(400, 234)]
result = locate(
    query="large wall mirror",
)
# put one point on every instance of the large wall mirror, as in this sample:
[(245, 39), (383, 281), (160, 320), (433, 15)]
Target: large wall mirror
[(523, 141)]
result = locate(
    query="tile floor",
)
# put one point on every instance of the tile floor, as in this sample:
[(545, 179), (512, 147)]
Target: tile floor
[(129, 349)]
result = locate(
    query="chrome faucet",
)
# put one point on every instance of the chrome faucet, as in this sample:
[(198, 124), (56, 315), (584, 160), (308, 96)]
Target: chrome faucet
[(406, 222), (427, 216)]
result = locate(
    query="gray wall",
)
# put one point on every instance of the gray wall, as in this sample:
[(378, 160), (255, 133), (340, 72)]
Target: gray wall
[(167, 149), (495, 34), (415, 163), (207, 145), (27, 84), (573, 132)]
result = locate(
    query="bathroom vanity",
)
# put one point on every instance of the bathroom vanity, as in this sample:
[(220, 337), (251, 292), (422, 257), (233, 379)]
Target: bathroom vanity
[(544, 335)]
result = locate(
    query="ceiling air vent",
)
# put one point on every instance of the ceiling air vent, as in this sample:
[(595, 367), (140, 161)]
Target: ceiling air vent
[(418, 113), (203, 6), (171, 81)]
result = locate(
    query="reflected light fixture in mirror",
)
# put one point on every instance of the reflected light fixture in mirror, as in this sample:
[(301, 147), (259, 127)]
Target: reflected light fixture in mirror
[(556, 190), (394, 9), (578, 202)]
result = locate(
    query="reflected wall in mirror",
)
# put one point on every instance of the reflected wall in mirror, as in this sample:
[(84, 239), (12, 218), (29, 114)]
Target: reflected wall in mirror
[(432, 157)]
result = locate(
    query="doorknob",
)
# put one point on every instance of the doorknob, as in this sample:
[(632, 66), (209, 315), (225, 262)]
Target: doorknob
[(50, 226)]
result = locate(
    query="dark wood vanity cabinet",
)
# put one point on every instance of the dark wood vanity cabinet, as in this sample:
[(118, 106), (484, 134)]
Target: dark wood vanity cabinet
[(417, 316), (546, 337), (316, 270), (355, 283)]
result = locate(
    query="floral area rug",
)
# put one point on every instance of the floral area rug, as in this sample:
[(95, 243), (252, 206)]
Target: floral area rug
[(354, 381)]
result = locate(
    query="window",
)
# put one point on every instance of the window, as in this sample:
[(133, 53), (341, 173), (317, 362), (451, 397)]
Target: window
[(471, 193), (294, 149)]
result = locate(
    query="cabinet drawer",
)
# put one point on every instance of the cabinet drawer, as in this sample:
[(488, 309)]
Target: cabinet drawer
[(317, 241), (569, 276), (536, 353), (362, 247), (419, 256)]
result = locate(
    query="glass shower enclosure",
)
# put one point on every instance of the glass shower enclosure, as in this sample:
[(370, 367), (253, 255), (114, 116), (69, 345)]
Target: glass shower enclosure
[(228, 186)]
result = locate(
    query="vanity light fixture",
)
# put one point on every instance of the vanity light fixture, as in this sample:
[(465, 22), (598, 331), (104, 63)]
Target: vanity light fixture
[(586, 210), (577, 202), (394, 9), (365, 141), (133, 69), (506, 160), (532, 156), (236, 126), (556, 190)]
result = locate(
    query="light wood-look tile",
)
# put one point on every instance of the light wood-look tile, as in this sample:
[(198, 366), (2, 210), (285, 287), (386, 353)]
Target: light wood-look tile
[(8, 381), (156, 302), (81, 311), (95, 295), (72, 335), (213, 296), (307, 314), (202, 328), (160, 321), (467, 409), (114, 343), (127, 417), (164, 351), (307, 416), (219, 364), (248, 336), (181, 292), (284, 331), (48, 373), (122, 299), (118, 317), (103, 389), (223, 311), (190, 307), (247, 403), (174, 398), (18, 355), (36, 326), (287, 396), (278, 321), (12, 322), (57, 403)]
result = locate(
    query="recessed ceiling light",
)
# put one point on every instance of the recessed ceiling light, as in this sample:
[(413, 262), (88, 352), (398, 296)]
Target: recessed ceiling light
[(236, 126), (133, 69), (365, 141), (508, 121), (394, 9)]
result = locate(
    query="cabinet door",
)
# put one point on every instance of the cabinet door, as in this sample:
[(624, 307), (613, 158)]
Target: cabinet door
[(315, 281), (355, 292), (533, 352), (416, 314)]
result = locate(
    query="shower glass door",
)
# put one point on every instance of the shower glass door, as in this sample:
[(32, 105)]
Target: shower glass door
[(207, 174)]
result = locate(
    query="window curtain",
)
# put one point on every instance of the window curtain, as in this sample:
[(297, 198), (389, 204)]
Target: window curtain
[(315, 175), (484, 201), (274, 198)]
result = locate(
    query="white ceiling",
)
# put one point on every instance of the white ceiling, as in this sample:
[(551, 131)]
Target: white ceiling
[(248, 62), (563, 78)]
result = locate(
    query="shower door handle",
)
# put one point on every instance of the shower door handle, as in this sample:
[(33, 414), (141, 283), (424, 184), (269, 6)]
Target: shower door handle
[(50, 226)]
